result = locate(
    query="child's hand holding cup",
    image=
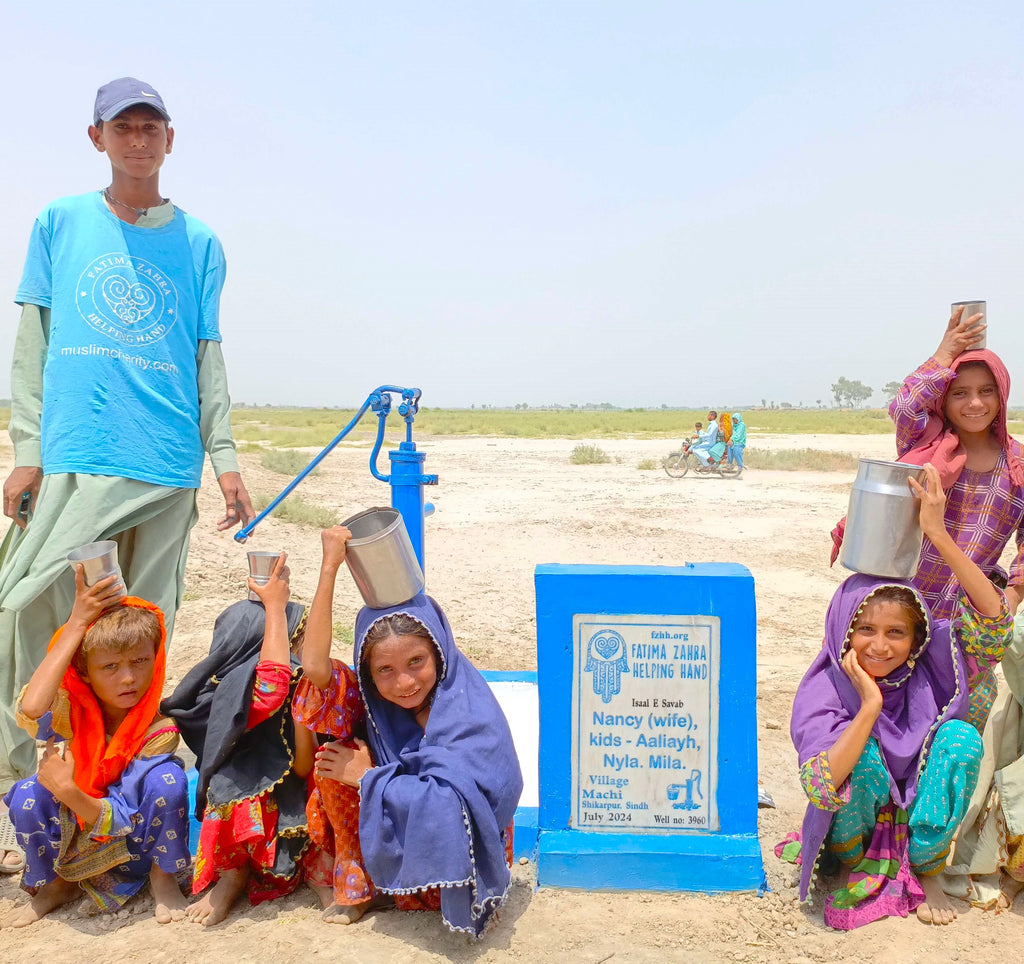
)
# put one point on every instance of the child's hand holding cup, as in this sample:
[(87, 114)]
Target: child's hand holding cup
[(273, 590), (92, 601), (261, 565), (96, 563)]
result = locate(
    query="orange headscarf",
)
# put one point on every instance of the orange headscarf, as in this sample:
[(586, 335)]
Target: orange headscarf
[(725, 426), (97, 762)]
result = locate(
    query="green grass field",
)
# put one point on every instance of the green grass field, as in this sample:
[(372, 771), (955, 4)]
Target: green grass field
[(285, 428), (303, 427), (297, 428)]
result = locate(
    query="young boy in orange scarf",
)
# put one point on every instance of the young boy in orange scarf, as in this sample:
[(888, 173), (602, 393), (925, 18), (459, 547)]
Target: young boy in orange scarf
[(108, 809)]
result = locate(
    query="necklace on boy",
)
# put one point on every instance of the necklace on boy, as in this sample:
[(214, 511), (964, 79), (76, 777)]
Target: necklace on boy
[(139, 212)]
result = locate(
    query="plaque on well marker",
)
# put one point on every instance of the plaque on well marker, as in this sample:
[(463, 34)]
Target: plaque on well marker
[(645, 722)]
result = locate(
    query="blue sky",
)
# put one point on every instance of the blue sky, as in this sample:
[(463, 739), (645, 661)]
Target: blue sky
[(635, 202)]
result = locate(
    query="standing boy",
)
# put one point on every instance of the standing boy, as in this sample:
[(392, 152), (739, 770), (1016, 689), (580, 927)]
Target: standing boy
[(118, 387)]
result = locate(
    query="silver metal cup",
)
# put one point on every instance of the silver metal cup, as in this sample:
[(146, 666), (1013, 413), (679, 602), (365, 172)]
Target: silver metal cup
[(98, 560), (261, 565), (973, 308)]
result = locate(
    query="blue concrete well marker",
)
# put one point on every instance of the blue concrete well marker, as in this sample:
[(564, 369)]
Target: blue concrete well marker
[(648, 742)]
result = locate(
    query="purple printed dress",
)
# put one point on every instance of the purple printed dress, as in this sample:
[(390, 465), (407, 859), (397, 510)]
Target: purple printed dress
[(143, 820)]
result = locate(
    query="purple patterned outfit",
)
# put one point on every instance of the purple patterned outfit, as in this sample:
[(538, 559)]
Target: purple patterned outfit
[(894, 817), (983, 509), (143, 820)]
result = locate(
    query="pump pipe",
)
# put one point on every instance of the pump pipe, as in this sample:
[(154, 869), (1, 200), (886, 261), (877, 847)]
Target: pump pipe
[(406, 478)]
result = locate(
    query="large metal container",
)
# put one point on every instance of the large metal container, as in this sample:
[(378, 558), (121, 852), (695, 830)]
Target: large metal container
[(381, 558), (883, 535)]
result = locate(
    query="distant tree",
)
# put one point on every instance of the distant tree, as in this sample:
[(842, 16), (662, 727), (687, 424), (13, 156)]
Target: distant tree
[(890, 389), (860, 393), (764, 404), (818, 402), (851, 393)]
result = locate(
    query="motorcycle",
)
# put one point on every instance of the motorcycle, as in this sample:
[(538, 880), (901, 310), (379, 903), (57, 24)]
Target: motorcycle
[(677, 464)]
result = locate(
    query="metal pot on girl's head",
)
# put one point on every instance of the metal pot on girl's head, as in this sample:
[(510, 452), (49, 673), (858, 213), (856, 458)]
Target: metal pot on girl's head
[(381, 558), (883, 535)]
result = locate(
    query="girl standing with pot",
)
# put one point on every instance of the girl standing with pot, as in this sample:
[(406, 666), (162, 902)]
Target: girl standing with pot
[(951, 411)]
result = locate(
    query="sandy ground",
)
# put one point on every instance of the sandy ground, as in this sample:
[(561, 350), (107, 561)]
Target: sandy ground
[(503, 506)]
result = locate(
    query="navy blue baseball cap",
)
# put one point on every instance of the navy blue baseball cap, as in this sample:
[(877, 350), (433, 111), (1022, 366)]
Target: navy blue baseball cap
[(123, 93)]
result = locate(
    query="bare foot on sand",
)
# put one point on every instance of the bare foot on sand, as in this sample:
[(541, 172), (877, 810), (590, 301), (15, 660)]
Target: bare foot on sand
[(326, 894), (89, 908), (345, 913), (170, 903), (1010, 889), (214, 906), (936, 908), (49, 897), (12, 860)]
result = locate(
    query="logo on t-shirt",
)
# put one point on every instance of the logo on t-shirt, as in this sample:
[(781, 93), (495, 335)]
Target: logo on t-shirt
[(130, 300)]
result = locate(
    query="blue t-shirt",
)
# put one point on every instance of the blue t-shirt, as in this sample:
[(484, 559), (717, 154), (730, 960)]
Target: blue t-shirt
[(128, 307)]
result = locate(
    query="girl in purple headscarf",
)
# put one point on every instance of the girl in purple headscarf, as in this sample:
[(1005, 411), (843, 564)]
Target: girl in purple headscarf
[(438, 776), (882, 724)]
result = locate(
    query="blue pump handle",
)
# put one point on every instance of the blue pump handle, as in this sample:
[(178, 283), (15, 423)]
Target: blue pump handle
[(378, 401)]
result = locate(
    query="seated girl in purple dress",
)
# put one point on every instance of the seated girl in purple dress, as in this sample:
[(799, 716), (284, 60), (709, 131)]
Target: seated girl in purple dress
[(886, 729), (108, 814)]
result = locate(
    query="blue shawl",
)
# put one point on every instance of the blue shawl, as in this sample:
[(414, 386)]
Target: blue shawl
[(434, 808)]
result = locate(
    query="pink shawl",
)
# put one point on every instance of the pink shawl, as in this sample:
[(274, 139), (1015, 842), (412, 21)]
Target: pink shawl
[(940, 444)]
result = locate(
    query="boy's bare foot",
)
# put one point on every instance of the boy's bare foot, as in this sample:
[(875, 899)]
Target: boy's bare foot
[(936, 908), (213, 907), (12, 861), (87, 907), (345, 913), (12, 857), (326, 894), (170, 903), (49, 897)]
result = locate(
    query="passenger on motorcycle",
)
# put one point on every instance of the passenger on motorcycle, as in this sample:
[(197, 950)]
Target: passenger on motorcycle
[(709, 448)]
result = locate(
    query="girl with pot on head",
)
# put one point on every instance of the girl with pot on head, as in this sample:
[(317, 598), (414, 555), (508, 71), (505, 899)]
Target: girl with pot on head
[(951, 411), (436, 784), (887, 731)]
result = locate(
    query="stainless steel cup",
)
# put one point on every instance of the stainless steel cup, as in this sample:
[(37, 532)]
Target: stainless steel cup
[(883, 535), (973, 308), (261, 565), (381, 558), (98, 560)]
